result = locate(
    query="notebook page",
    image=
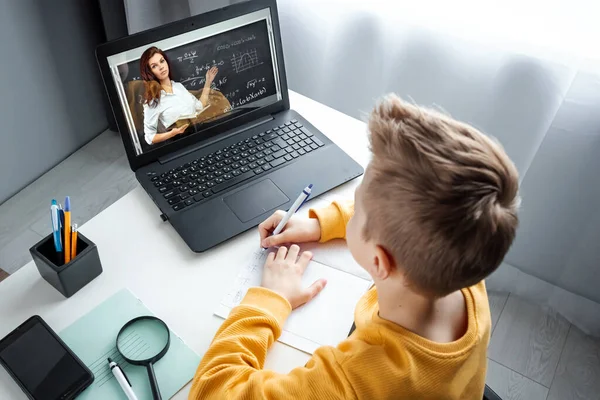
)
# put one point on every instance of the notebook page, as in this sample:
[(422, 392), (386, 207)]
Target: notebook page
[(325, 320)]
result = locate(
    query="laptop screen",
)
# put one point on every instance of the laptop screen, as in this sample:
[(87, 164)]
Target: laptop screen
[(186, 84)]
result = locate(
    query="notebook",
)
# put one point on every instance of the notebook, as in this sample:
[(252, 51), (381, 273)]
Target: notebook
[(93, 338), (325, 320)]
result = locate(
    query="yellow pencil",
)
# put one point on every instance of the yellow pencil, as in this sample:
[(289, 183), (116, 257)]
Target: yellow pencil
[(74, 242), (67, 229)]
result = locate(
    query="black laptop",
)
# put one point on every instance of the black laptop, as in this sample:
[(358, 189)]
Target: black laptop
[(212, 139)]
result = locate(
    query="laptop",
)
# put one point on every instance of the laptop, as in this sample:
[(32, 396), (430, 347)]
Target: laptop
[(207, 125)]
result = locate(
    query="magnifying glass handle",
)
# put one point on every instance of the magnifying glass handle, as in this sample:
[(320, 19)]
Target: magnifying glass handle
[(153, 383)]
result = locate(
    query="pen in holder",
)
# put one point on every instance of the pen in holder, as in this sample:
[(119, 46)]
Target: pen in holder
[(70, 277)]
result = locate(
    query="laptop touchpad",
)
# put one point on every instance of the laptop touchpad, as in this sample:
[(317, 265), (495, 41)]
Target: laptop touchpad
[(256, 200)]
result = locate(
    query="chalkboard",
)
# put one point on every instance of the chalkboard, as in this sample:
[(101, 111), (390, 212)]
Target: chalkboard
[(243, 56)]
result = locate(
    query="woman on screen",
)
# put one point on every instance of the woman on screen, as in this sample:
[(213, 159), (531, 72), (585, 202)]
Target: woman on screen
[(166, 101)]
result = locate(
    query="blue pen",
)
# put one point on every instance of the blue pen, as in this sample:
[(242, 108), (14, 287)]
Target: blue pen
[(61, 215), (295, 207), (54, 215)]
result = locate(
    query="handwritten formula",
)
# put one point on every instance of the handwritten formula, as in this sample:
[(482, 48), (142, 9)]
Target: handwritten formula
[(246, 99), (226, 46), (188, 56), (254, 82)]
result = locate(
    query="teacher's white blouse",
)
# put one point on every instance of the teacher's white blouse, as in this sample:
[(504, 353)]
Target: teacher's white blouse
[(169, 109)]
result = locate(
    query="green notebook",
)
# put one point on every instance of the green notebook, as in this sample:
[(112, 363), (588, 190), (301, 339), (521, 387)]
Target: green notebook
[(93, 339)]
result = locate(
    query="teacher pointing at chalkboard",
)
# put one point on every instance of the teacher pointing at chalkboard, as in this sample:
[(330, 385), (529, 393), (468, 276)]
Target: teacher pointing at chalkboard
[(165, 101)]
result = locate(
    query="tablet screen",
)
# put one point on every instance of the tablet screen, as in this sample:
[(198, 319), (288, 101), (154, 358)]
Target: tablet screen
[(41, 363)]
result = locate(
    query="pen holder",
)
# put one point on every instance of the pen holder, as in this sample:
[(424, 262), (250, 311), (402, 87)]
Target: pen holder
[(70, 277)]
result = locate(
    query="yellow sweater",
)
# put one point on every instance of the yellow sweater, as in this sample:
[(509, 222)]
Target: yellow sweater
[(380, 360)]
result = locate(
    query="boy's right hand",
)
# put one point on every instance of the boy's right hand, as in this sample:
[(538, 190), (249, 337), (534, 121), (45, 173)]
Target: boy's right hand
[(297, 230)]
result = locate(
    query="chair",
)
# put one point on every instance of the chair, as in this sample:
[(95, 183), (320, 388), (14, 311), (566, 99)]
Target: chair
[(489, 394)]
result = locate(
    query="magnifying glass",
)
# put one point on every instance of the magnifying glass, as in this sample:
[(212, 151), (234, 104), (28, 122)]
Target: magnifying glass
[(143, 341)]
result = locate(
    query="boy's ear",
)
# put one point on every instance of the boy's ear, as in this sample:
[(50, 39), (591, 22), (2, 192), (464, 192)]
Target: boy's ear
[(384, 263)]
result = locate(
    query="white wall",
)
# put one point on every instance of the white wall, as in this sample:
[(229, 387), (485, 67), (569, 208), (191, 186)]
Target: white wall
[(51, 101)]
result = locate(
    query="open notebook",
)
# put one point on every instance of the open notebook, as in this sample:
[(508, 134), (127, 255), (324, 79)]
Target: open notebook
[(326, 319)]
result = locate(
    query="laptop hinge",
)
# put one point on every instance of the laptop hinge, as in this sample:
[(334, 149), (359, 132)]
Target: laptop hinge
[(191, 149)]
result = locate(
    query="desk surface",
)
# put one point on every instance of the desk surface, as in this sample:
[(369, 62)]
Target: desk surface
[(181, 287)]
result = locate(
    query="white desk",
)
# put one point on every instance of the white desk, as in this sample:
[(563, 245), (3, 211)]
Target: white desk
[(179, 286)]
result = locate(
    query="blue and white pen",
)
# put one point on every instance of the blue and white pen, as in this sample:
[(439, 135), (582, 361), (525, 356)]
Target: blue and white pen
[(55, 217), (295, 207)]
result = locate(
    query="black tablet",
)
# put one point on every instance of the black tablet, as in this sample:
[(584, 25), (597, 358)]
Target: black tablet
[(42, 364)]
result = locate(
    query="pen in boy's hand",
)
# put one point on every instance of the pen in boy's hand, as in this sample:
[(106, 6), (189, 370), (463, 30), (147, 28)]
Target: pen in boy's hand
[(295, 207), (297, 230)]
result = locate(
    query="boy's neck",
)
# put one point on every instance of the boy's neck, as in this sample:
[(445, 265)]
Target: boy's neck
[(438, 319)]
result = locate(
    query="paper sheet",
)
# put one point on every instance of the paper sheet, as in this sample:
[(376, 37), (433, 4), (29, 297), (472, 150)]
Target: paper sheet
[(335, 254), (93, 339), (326, 319)]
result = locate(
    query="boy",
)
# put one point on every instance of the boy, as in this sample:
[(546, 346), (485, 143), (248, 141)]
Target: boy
[(434, 215)]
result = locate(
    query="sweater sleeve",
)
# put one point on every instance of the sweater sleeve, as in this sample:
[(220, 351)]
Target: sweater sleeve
[(333, 219), (232, 367)]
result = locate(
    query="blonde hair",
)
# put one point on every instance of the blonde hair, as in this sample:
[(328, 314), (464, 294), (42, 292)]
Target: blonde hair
[(442, 198)]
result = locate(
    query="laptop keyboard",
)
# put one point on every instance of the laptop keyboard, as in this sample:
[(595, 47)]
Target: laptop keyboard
[(209, 175)]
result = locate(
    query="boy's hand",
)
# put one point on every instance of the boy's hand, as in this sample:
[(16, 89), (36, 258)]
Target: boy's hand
[(283, 274), (297, 230)]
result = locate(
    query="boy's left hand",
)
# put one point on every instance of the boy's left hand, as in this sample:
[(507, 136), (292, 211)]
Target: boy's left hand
[(283, 274)]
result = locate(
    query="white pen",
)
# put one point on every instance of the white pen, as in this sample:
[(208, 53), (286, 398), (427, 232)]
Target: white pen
[(295, 207), (122, 379)]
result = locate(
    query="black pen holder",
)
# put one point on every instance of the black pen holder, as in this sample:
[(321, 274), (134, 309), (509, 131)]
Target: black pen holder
[(70, 277)]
